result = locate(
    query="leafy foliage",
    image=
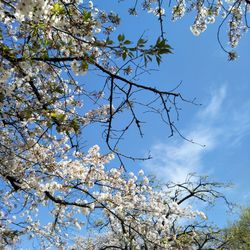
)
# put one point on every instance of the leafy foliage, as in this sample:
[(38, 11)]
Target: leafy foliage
[(238, 234)]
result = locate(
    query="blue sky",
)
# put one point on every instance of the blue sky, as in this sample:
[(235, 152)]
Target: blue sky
[(222, 122)]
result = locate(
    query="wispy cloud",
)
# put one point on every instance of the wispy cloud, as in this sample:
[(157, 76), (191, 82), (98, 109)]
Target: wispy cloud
[(214, 107), (175, 162), (240, 123), (217, 124)]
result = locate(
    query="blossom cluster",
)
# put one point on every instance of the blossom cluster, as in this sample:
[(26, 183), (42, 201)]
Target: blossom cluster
[(230, 11), (126, 205), (234, 13), (44, 108)]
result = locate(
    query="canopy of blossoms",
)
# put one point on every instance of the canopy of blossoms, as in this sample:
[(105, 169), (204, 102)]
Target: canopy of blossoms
[(53, 191)]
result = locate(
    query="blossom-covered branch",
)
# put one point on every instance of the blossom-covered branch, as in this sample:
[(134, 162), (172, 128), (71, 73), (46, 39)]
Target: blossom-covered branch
[(51, 182)]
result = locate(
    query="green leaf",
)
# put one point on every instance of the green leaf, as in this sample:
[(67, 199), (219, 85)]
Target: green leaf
[(149, 58), (121, 37), (158, 60), (127, 42), (92, 58), (59, 90), (141, 42), (86, 15), (210, 12), (84, 66), (109, 41), (53, 115), (57, 8), (61, 117), (130, 54), (75, 125), (124, 55)]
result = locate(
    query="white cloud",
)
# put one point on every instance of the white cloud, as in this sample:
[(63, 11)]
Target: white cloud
[(175, 162), (214, 107), (240, 124), (218, 124)]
